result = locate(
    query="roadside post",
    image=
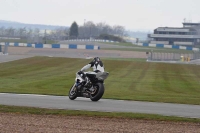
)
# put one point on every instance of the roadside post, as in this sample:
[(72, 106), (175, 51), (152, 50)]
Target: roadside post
[(147, 55), (6, 48)]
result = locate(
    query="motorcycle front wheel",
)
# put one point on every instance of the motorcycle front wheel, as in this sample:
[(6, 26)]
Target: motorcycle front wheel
[(73, 92)]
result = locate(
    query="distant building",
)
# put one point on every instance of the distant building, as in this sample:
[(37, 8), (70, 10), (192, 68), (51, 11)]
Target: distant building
[(188, 35)]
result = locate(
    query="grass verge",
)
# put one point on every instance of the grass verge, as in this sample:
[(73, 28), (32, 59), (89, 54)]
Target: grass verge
[(145, 49), (41, 111), (149, 49), (128, 80), (126, 59)]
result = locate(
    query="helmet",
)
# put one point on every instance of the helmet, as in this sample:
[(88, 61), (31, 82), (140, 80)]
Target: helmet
[(96, 59)]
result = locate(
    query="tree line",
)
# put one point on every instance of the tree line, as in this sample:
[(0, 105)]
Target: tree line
[(86, 31), (98, 31)]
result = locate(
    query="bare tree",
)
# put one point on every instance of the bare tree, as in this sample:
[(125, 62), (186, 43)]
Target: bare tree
[(36, 31), (22, 32), (90, 29), (30, 32), (2, 31), (10, 32), (59, 33), (81, 31), (102, 28), (119, 30)]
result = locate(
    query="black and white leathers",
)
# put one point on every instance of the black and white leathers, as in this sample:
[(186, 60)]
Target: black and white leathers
[(96, 64)]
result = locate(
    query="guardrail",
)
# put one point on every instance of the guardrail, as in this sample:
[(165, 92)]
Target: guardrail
[(67, 46), (168, 46)]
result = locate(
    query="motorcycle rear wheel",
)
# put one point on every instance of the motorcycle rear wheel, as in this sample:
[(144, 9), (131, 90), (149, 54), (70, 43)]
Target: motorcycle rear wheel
[(99, 92)]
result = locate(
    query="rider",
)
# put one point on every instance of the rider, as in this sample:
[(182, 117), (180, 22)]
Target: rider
[(96, 64)]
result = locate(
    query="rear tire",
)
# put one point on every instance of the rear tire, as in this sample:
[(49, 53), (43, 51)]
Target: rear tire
[(99, 92), (73, 92)]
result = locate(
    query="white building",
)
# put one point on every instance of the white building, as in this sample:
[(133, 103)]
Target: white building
[(188, 35)]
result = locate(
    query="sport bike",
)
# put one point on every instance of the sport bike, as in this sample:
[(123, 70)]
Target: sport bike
[(89, 85)]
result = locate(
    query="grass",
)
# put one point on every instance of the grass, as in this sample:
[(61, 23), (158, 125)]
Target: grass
[(120, 44), (145, 49), (125, 59), (40, 111), (128, 79), (149, 49)]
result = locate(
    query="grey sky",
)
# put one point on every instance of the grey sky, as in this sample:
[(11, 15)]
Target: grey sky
[(133, 14)]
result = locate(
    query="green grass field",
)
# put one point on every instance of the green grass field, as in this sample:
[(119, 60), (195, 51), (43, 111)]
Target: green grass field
[(149, 49), (145, 49), (129, 79)]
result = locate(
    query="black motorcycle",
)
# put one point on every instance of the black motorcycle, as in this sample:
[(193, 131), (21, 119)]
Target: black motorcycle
[(89, 85)]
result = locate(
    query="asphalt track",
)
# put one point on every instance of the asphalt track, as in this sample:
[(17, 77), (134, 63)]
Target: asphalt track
[(104, 105), (7, 58)]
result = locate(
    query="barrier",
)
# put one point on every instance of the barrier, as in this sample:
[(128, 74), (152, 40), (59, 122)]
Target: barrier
[(166, 56), (168, 46), (67, 46)]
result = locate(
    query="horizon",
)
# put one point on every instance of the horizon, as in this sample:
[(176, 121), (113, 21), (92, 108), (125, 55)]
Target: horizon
[(132, 14)]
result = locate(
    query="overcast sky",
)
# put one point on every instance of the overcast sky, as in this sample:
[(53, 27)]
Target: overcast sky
[(133, 14)]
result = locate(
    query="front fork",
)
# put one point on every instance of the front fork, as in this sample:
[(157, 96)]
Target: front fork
[(73, 89)]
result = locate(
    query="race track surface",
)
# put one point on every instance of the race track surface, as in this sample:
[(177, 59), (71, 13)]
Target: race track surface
[(7, 58), (104, 105), (73, 53)]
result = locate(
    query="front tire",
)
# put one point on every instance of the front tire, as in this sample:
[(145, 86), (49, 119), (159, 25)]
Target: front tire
[(99, 92), (73, 92)]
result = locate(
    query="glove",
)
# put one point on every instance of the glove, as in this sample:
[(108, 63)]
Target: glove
[(80, 72)]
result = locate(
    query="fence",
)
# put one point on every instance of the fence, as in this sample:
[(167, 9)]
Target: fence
[(158, 56)]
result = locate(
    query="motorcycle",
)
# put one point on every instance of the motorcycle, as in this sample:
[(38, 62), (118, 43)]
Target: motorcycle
[(88, 85)]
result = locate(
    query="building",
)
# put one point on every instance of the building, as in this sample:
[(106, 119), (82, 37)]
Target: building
[(188, 35)]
